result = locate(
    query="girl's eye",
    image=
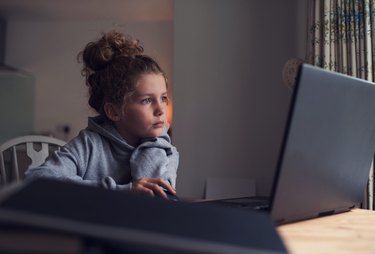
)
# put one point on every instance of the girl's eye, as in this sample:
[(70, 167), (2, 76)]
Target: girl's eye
[(146, 101), (164, 99)]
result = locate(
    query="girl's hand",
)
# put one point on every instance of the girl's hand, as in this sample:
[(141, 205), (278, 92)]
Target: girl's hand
[(152, 187)]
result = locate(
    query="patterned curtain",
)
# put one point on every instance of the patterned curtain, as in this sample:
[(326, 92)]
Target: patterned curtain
[(341, 38)]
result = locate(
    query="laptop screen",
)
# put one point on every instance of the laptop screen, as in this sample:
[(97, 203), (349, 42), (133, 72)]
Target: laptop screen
[(328, 146)]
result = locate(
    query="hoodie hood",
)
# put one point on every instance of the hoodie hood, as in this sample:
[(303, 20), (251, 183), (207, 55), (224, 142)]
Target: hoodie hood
[(106, 128)]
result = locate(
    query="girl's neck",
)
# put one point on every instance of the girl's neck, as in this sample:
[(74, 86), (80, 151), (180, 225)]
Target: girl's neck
[(129, 139)]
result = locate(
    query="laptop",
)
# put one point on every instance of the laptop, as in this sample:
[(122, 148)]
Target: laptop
[(106, 221), (327, 149)]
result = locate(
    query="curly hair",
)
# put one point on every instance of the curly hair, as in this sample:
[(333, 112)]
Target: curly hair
[(112, 66)]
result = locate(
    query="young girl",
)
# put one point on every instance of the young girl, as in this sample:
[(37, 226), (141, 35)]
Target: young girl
[(126, 147)]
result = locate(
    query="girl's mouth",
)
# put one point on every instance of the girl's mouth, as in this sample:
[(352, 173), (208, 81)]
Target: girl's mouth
[(159, 124)]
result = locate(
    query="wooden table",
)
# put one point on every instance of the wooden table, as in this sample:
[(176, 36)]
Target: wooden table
[(350, 232)]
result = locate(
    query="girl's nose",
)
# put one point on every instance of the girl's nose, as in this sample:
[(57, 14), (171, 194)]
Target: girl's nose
[(159, 109)]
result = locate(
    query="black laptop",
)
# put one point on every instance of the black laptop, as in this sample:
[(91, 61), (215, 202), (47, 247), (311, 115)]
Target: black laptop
[(326, 153), (105, 221)]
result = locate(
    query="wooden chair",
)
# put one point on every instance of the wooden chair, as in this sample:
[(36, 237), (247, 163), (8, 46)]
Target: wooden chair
[(21, 153)]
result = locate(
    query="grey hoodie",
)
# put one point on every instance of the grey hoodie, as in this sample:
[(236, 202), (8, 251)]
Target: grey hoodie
[(100, 156)]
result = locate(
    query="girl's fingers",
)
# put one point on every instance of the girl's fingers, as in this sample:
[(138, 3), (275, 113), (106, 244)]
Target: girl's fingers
[(154, 186), (156, 189), (143, 189), (163, 184)]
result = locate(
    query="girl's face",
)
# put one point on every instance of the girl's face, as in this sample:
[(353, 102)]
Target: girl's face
[(145, 113)]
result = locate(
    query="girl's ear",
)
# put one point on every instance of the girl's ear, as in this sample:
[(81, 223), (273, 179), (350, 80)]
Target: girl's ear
[(112, 111)]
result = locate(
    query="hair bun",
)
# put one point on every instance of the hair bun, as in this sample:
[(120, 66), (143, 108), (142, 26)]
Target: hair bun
[(123, 46), (97, 55)]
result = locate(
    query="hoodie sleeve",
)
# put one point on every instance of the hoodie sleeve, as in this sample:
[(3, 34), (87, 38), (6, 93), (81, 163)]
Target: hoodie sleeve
[(61, 165), (70, 163), (155, 158)]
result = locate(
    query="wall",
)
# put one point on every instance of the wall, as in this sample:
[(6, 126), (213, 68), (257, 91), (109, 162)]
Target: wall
[(230, 104), (48, 50)]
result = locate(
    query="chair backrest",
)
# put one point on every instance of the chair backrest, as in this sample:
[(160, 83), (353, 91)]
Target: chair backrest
[(21, 153)]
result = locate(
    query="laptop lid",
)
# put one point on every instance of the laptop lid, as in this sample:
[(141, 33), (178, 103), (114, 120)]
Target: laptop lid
[(328, 146)]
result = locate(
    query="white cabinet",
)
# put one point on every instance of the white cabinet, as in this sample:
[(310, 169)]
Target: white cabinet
[(16, 103)]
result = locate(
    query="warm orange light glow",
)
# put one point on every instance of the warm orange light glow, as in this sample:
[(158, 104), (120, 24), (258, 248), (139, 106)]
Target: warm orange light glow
[(170, 113)]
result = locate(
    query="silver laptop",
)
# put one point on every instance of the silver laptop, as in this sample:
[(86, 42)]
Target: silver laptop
[(328, 146)]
